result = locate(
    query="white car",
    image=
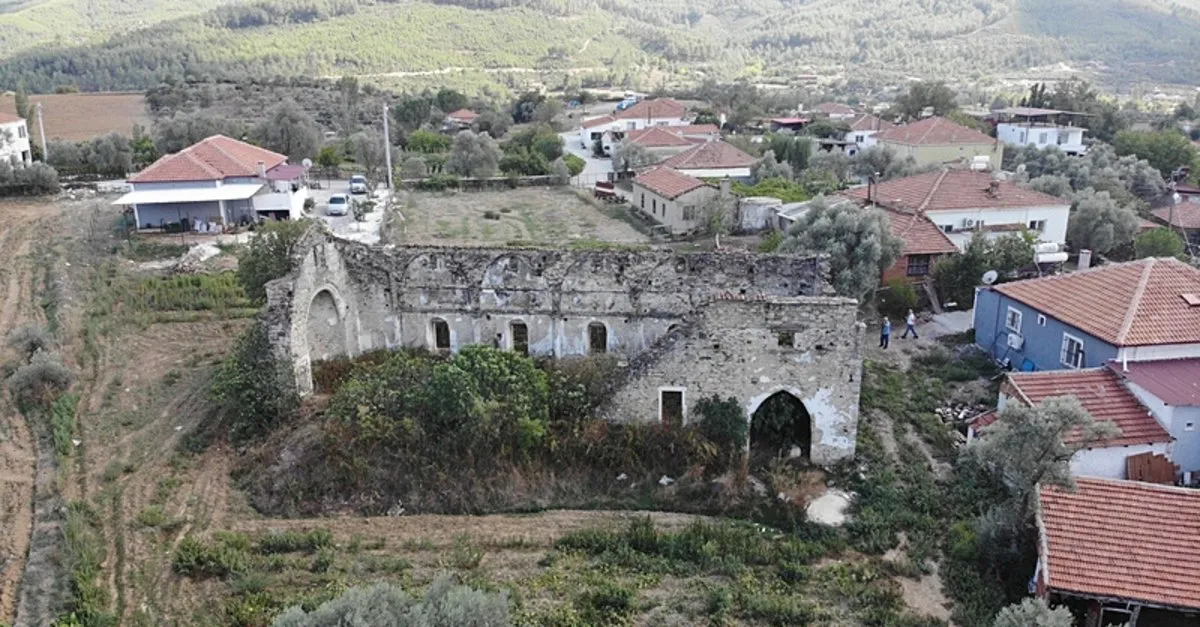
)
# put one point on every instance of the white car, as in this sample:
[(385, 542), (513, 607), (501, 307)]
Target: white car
[(358, 184), (339, 205)]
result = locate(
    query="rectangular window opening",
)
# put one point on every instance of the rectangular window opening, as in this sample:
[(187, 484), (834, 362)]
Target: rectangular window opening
[(670, 407), (441, 335), (1041, 320), (520, 338), (1012, 321), (1071, 355), (918, 265), (597, 338), (787, 339)]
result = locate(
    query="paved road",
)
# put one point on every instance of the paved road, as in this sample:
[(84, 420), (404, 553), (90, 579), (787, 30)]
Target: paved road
[(345, 225), (594, 168)]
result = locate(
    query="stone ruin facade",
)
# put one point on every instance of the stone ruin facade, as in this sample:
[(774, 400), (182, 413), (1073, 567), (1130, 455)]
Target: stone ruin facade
[(683, 325)]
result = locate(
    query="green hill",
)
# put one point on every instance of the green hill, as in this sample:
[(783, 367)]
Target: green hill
[(508, 43)]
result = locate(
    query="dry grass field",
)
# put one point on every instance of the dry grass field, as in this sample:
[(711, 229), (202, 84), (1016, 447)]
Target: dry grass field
[(79, 117), (524, 216)]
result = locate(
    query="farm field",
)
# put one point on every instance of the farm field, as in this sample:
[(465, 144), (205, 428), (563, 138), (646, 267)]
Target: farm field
[(80, 117), (524, 216)]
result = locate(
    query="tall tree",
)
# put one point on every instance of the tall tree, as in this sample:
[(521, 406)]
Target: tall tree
[(857, 242), (769, 168), (921, 95), (289, 130), (184, 129), (1099, 223), (473, 154), (1167, 151), (1160, 242), (449, 100), (21, 100)]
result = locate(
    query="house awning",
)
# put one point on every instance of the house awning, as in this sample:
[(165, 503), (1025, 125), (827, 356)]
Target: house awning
[(236, 191)]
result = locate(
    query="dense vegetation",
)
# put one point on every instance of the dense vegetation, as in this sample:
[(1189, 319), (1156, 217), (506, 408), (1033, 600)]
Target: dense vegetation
[(627, 43)]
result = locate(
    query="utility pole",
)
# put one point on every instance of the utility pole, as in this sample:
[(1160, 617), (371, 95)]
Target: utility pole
[(387, 148), (41, 129)]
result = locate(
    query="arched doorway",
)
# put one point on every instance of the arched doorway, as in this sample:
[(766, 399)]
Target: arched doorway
[(326, 328), (780, 423)]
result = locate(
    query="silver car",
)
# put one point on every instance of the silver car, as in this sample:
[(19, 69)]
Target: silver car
[(339, 205), (358, 184)]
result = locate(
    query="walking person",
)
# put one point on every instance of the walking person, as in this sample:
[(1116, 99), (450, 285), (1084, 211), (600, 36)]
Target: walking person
[(910, 322), (885, 334)]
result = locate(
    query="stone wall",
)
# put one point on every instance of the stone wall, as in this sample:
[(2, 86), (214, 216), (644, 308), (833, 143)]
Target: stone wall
[(690, 320)]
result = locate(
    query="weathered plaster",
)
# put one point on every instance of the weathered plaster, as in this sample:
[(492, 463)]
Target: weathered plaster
[(706, 323)]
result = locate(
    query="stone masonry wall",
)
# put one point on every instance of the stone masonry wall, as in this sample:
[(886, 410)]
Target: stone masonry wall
[(345, 298)]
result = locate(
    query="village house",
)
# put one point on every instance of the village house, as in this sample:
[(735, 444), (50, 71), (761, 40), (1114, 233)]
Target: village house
[(673, 199), (658, 141), (924, 245), (835, 111), (1102, 393), (793, 124), (215, 183), (937, 141), (1143, 310), (1170, 388), (1184, 217), (714, 159), (961, 202), (14, 140), (459, 120), (1120, 552), (644, 114), (863, 130), (1030, 126)]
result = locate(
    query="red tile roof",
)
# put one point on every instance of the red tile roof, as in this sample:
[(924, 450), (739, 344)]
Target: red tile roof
[(934, 132), (463, 115), (1122, 539), (1173, 381), (1187, 215), (1101, 393), (868, 122), (668, 183), (710, 155), (215, 158), (604, 119), (789, 121), (8, 118), (695, 129), (921, 236), (1139, 303), (656, 108), (983, 420), (656, 136), (953, 189)]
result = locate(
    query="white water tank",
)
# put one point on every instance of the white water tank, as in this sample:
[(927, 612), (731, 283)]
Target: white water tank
[(756, 212)]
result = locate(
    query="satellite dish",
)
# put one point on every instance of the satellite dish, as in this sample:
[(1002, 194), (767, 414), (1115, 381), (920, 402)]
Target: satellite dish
[(307, 163), (990, 277)]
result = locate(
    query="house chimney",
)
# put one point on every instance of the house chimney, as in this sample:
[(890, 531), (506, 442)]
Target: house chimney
[(1085, 259), (993, 189), (726, 187), (262, 170)]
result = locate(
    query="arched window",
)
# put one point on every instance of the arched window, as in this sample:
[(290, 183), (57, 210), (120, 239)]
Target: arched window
[(597, 338)]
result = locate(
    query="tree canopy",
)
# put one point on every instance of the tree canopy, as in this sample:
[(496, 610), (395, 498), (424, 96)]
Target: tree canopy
[(289, 130), (856, 241), (1160, 242), (1098, 223)]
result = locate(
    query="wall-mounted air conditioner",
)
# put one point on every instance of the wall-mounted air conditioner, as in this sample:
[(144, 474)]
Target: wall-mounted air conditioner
[(1015, 341)]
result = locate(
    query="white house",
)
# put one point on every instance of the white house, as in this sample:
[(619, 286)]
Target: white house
[(644, 114), (14, 140), (671, 198), (214, 183), (863, 130), (1028, 126), (835, 111), (714, 159), (1102, 394), (962, 202)]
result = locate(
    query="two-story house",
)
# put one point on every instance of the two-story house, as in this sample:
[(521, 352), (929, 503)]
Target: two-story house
[(14, 140), (645, 114), (1141, 310), (936, 141), (863, 130), (215, 183), (714, 159), (961, 202), (1030, 126)]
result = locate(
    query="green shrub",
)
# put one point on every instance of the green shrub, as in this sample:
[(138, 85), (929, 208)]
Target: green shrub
[(491, 215), (85, 553), (724, 423), (40, 380), (194, 558), (770, 242), (151, 516), (439, 182), (269, 255), (897, 298), (253, 388), (62, 423), (29, 339), (575, 164), (323, 561), (445, 603), (607, 603), (293, 541), (464, 555)]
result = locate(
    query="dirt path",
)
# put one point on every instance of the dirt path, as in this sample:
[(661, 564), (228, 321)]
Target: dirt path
[(18, 451)]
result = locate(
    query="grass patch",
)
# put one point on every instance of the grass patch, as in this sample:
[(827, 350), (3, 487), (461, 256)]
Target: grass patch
[(62, 424), (141, 249), (152, 516), (85, 553)]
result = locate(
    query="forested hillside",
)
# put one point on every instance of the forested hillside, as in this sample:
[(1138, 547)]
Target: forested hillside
[(641, 43), (28, 23)]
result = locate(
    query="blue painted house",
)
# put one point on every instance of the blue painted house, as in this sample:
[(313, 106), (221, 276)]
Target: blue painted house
[(1142, 310)]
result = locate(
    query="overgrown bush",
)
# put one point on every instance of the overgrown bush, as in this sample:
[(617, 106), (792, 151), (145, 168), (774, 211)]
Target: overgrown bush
[(724, 423), (269, 255), (29, 339), (439, 182), (897, 299), (445, 603), (293, 541), (40, 380), (253, 388), (84, 548), (62, 423), (194, 558), (608, 603)]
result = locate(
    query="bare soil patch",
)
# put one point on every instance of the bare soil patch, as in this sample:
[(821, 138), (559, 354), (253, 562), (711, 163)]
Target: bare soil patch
[(523, 216), (79, 117)]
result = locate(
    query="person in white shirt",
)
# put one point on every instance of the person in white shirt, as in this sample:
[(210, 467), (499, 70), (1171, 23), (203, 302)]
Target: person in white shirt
[(910, 322)]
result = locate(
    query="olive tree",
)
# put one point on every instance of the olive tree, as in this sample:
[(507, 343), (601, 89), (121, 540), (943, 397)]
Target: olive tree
[(1033, 613), (474, 155), (769, 168), (1099, 223), (630, 156), (856, 241), (1160, 242), (290, 130)]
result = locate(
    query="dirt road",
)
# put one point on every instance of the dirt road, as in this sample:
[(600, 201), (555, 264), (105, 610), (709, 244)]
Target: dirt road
[(18, 221)]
